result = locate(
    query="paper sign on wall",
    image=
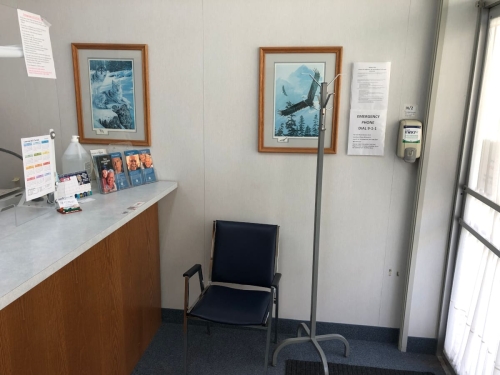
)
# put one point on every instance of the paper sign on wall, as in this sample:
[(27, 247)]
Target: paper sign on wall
[(367, 132), (369, 99), (36, 45)]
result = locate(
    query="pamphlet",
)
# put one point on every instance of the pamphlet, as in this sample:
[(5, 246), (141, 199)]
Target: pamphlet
[(99, 151), (105, 174), (134, 167), (120, 176), (147, 165)]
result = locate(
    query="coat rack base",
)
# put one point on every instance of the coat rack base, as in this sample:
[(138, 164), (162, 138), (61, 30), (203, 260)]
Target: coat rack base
[(312, 338)]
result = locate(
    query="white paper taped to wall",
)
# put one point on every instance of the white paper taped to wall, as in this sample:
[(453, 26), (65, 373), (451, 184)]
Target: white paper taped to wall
[(369, 100), (36, 45)]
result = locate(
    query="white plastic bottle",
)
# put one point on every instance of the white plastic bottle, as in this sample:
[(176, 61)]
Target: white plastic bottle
[(75, 158)]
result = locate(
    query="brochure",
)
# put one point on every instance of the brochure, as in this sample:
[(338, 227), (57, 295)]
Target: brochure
[(134, 167), (105, 174), (120, 176), (99, 151), (147, 167)]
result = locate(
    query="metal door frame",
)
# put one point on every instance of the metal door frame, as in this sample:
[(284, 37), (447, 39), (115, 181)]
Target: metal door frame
[(467, 142)]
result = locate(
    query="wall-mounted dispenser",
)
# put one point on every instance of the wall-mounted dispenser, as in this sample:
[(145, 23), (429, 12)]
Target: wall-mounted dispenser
[(409, 140)]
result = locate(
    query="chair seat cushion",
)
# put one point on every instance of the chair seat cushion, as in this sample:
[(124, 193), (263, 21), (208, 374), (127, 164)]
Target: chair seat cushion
[(225, 305)]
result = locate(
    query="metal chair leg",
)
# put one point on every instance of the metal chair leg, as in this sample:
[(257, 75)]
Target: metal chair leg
[(268, 341), (268, 338), (277, 314), (185, 347)]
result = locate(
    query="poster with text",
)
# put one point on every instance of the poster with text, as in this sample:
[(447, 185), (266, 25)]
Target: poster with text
[(369, 100), (367, 133), (37, 48)]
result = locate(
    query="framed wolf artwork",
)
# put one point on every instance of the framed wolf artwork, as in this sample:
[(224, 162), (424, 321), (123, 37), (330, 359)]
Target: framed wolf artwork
[(112, 93)]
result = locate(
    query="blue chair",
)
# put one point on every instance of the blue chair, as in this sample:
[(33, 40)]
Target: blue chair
[(243, 254)]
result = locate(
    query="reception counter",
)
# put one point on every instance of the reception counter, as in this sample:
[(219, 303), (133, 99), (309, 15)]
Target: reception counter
[(80, 293)]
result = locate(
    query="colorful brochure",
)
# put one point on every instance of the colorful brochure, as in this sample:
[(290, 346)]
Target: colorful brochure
[(120, 176), (147, 167), (105, 174), (134, 167)]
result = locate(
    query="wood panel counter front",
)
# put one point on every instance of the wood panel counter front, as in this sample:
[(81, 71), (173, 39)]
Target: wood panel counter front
[(95, 315)]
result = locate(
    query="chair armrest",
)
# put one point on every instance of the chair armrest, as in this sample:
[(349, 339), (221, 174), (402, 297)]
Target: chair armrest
[(190, 272), (187, 275), (276, 280)]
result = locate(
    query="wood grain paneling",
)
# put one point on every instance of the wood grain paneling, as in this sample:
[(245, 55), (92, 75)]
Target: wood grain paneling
[(96, 315)]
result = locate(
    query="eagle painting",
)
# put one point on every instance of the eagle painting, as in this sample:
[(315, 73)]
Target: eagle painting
[(307, 102)]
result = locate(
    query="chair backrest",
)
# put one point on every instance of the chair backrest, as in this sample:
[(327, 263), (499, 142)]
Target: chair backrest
[(244, 253)]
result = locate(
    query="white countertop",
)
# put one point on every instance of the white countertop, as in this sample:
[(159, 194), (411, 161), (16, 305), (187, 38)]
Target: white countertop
[(32, 252)]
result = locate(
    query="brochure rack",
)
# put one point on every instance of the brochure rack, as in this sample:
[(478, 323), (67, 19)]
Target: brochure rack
[(134, 166)]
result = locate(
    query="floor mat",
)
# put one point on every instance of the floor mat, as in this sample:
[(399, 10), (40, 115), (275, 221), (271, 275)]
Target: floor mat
[(294, 367)]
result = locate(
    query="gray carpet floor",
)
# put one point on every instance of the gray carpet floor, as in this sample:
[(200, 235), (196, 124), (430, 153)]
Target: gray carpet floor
[(231, 351)]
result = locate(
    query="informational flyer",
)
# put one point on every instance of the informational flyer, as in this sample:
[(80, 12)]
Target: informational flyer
[(38, 166), (367, 132), (36, 45), (369, 100)]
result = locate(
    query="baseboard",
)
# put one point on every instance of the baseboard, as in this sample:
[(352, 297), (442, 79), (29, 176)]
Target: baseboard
[(349, 331), (421, 345)]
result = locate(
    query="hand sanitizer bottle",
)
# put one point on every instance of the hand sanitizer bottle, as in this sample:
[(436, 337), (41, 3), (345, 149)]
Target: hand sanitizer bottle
[(75, 158)]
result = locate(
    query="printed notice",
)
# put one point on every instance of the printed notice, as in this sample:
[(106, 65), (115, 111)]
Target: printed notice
[(370, 85), (36, 45), (38, 166), (369, 100), (367, 133)]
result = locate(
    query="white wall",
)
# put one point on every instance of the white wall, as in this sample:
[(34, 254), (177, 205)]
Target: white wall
[(367, 200), (203, 58)]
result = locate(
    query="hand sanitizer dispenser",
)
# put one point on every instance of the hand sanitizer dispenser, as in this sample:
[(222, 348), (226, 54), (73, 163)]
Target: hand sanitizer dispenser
[(409, 140)]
